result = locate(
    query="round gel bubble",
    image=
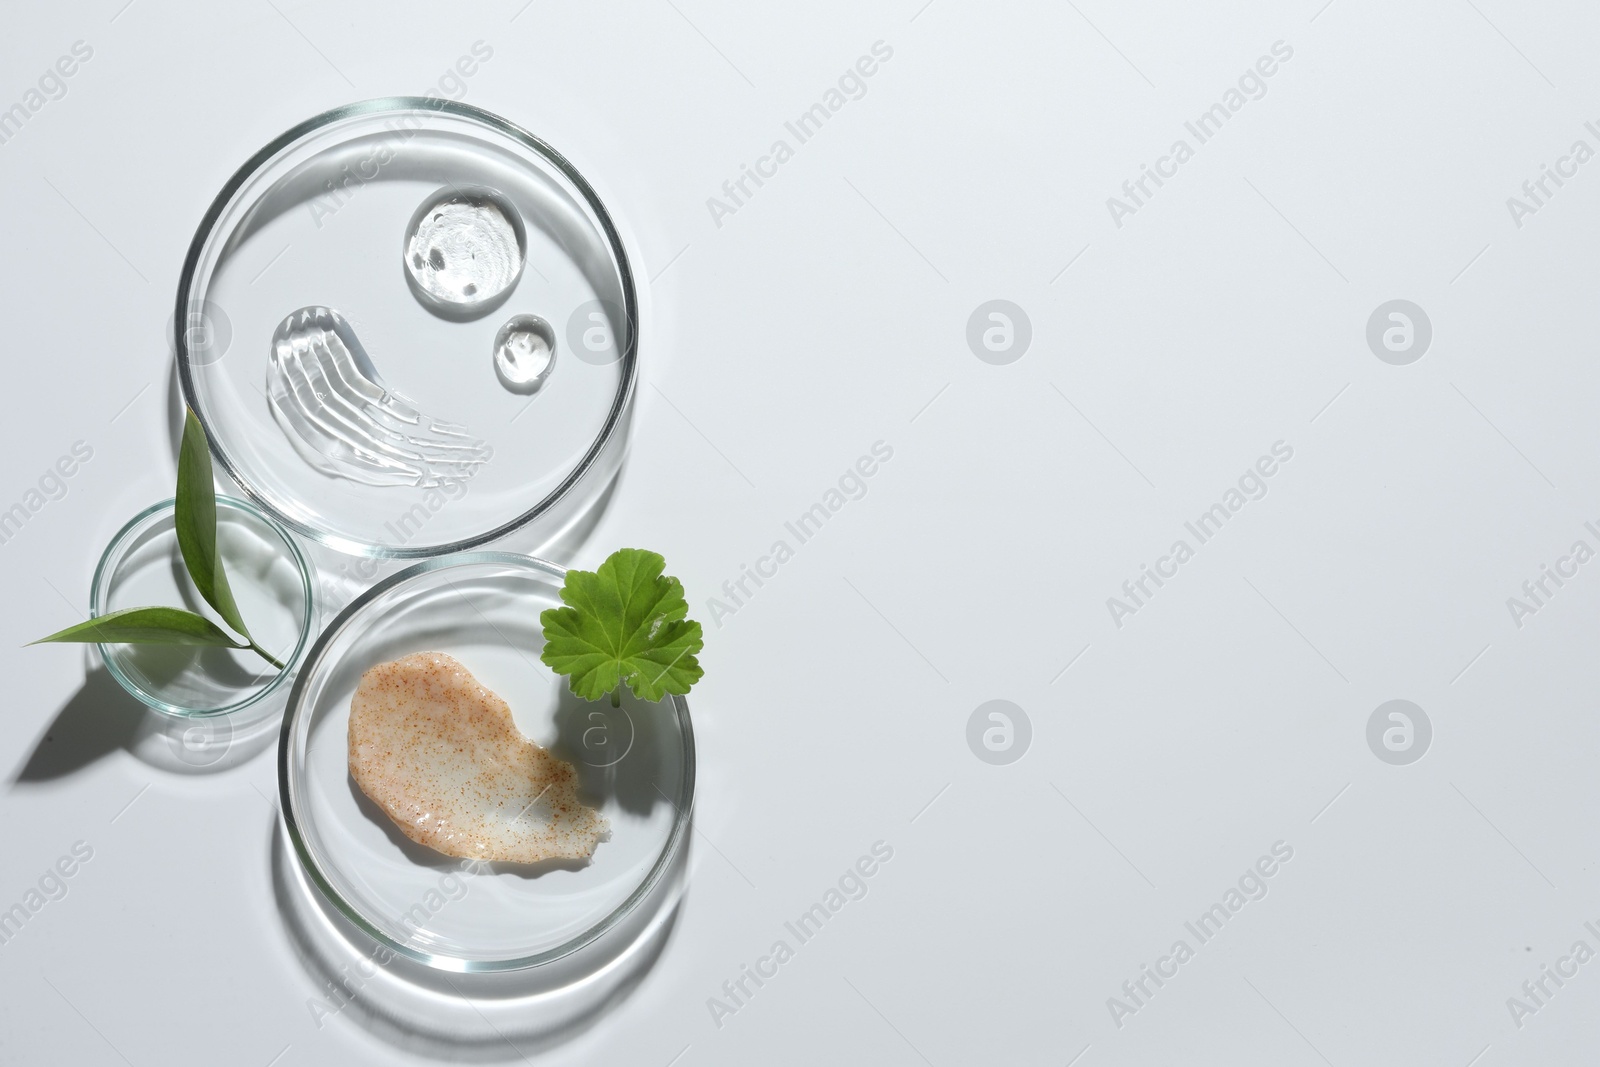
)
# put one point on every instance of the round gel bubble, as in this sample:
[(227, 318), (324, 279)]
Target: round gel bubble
[(464, 251), (524, 353)]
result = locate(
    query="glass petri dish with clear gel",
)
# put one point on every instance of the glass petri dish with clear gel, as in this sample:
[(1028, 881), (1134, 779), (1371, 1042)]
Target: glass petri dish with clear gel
[(272, 583), (635, 763), (350, 402)]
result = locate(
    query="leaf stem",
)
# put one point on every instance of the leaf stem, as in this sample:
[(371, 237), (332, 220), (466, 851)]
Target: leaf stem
[(616, 697), (264, 654)]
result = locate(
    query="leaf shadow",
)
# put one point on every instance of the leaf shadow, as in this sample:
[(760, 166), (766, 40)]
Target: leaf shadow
[(411, 1011), (616, 751), (98, 719)]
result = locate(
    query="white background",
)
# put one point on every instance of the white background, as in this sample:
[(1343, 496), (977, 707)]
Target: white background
[(830, 312)]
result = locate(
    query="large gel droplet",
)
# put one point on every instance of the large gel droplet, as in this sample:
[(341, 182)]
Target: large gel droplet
[(464, 251)]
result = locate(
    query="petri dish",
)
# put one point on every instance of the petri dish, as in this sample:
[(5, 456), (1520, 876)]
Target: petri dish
[(356, 412), (635, 763), (272, 583)]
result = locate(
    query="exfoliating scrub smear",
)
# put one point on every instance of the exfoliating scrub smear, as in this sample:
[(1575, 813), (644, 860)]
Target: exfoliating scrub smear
[(431, 331)]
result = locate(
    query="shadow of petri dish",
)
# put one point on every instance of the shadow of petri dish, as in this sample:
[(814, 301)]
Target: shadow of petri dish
[(467, 1017)]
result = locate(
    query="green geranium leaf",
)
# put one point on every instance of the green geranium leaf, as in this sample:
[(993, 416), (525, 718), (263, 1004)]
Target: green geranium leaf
[(146, 626), (195, 517), (623, 624)]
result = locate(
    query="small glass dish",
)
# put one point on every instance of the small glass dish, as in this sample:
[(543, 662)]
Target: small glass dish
[(635, 763), (271, 581)]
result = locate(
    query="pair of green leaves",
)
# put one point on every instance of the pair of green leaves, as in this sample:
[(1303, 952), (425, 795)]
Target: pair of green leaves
[(195, 520), (625, 624)]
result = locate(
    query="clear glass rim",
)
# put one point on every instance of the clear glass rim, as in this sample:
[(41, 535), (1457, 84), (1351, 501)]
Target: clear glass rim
[(629, 358), (102, 575), (683, 805)]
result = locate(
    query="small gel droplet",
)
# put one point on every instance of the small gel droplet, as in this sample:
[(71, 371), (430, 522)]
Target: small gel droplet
[(524, 353)]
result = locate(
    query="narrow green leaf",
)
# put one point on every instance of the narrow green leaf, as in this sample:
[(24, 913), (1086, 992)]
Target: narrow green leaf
[(196, 521), (146, 626)]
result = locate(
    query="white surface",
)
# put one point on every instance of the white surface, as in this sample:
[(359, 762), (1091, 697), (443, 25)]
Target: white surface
[(827, 313)]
